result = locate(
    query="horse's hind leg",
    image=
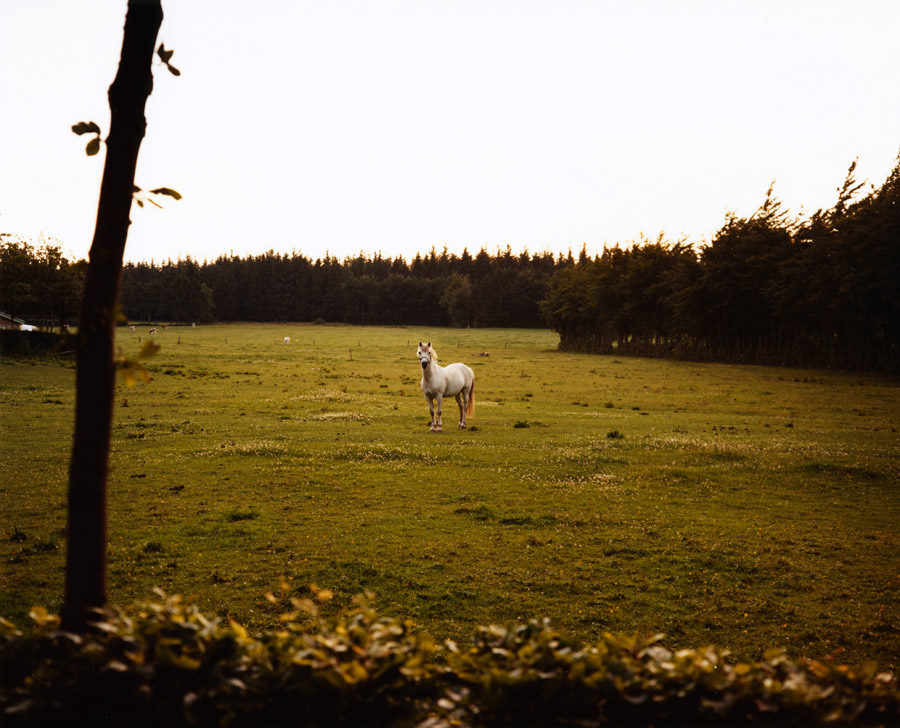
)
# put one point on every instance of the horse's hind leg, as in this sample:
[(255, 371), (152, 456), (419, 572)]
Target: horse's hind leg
[(440, 407), (461, 401)]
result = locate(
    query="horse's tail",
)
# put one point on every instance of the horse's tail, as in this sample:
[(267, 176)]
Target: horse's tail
[(471, 406)]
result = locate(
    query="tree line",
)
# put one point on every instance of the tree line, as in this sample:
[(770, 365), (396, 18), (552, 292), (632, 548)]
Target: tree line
[(820, 291), (768, 289), (436, 289), (38, 284)]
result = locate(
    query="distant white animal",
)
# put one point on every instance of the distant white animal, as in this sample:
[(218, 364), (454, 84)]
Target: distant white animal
[(455, 380), (152, 331), (287, 339), (131, 328)]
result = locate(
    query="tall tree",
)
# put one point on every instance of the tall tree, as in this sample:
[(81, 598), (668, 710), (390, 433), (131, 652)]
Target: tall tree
[(459, 300), (85, 585)]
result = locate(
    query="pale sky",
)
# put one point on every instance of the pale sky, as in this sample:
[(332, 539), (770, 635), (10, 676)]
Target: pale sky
[(388, 126)]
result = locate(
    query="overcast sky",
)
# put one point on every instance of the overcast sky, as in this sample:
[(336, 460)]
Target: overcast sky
[(392, 127)]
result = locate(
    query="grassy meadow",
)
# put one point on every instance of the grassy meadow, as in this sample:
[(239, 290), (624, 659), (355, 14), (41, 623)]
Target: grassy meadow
[(746, 506)]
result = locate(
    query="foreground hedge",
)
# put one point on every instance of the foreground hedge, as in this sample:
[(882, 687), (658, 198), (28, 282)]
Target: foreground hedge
[(170, 665)]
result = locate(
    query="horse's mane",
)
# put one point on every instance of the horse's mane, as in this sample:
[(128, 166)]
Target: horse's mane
[(434, 355)]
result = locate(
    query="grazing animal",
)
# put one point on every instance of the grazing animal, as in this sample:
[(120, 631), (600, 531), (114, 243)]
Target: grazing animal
[(152, 331), (287, 339), (454, 380)]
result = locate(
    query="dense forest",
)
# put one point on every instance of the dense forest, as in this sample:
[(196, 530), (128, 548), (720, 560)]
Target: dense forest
[(39, 285), (437, 289), (822, 290), (768, 289)]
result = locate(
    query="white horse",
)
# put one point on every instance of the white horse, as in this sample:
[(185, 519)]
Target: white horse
[(454, 380)]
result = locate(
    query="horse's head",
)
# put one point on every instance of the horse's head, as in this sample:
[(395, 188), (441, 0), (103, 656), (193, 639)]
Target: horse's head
[(425, 354)]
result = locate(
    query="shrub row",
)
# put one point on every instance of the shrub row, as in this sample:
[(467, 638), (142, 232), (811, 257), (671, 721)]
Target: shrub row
[(171, 665), (23, 344)]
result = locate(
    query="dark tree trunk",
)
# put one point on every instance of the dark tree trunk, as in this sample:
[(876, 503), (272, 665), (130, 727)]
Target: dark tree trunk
[(85, 587)]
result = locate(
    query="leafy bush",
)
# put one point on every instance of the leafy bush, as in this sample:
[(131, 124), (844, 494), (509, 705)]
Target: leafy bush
[(171, 665), (531, 675), (25, 344)]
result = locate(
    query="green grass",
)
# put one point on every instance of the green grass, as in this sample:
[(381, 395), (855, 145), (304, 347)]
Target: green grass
[(746, 506)]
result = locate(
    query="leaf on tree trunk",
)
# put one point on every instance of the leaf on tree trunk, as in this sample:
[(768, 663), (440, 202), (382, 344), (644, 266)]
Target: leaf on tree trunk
[(149, 348), (166, 191), (164, 56), (85, 127)]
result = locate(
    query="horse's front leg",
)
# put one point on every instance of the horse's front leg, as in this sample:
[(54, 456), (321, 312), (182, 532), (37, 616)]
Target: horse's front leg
[(430, 410), (440, 407)]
